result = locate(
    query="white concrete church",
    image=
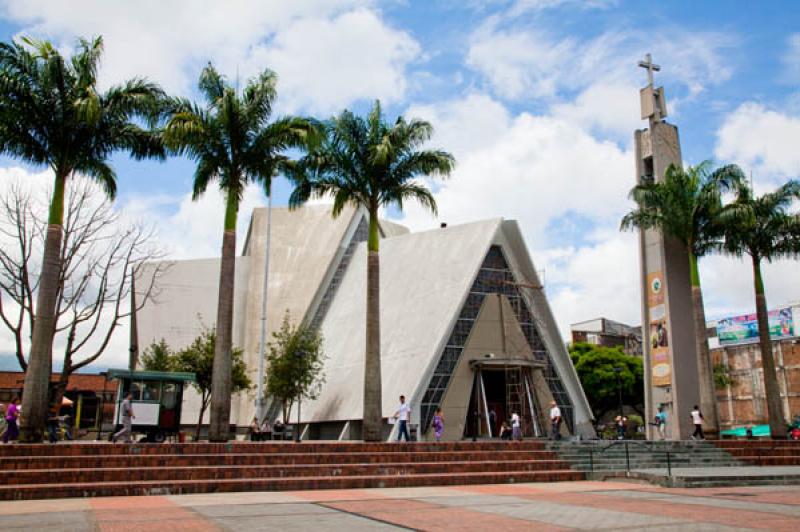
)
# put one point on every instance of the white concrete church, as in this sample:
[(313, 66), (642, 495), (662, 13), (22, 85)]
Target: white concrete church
[(465, 324)]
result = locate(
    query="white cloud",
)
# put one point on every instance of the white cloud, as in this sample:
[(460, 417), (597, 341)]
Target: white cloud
[(327, 53), (528, 62), (531, 168), (728, 284), (325, 64), (597, 280), (611, 108), (760, 139)]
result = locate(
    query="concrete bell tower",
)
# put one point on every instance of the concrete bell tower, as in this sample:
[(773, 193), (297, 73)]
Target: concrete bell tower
[(670, 357)]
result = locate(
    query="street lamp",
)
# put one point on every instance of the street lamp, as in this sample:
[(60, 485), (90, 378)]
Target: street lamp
[(618, 371), (299, 355)]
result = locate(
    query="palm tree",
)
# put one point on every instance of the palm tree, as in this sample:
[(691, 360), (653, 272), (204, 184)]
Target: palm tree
[(763, 228), (368, 163), (233, 142), (685, 206), (53, 114)]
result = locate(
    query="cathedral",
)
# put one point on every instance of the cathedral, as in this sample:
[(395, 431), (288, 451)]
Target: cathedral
[(465, 323)]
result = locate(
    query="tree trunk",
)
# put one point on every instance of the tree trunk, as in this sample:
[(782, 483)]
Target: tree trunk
[(203, 405), (777, 423), (705, 373), (219, 424), (40, 363), (372, 425)]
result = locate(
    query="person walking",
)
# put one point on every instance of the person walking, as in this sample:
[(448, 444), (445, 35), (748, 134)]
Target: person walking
[(555, 421), (621, 422), (52, 424), (438, 424), (403, 414), (516, 429), (697, 419), (12, 415), (661, 422), (126, 409)]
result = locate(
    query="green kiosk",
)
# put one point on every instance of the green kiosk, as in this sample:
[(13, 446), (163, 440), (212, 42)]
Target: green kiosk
[(157, 401)]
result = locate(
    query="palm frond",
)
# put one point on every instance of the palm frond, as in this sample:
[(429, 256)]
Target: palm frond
[(211, 84)]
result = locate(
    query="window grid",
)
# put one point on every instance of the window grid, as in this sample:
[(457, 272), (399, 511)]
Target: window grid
[(494, 277), (360, 235)]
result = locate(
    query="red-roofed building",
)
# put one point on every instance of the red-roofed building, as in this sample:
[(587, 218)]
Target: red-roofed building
[(90, 394)]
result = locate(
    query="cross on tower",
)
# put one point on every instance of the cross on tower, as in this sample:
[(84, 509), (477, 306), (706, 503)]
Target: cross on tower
[(650, 66)]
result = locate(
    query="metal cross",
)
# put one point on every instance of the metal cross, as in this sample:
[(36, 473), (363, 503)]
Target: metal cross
[(650, 66)]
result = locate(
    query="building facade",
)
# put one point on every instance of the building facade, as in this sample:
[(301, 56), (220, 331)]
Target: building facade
[(608, 333), (465, 325), (736, 355)]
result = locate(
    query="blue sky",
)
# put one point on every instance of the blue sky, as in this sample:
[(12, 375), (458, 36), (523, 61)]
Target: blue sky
[(538, 100)]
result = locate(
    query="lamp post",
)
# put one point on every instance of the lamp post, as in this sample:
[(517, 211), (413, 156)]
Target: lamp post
[(300, 355), (102, 406), (618, 371), (262, 345)]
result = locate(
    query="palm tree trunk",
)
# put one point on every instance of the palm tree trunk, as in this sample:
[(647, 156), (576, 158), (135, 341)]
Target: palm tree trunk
[(372, 426), (221, 378), (777, 423), (705, 374), (40, 362)]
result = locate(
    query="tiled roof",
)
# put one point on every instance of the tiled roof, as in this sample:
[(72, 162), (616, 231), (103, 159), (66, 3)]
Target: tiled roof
[(13, 380)]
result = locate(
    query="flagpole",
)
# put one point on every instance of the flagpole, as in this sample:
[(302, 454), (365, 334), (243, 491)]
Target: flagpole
[(262, 348)]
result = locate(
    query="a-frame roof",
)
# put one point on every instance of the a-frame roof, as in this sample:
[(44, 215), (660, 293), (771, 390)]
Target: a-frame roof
[(425, 278)]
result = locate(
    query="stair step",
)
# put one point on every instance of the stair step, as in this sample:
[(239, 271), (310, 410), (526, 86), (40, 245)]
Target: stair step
[(105, 449), (45, 476), (256, 459), (127, 488)]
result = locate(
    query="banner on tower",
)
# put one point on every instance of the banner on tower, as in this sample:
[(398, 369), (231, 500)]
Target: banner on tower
[(660, 366)]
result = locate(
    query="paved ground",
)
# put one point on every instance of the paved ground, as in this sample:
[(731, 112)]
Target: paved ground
[(557, 506)]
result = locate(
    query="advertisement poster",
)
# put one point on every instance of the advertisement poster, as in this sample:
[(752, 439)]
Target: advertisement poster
[(744, 329), (661, 372)]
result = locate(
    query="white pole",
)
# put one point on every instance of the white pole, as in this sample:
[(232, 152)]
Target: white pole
[(263, 343)]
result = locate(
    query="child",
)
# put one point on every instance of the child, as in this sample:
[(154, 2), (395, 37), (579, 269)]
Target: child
[(438, 424)]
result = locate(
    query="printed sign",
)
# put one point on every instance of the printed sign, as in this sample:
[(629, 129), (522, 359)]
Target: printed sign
[(744, 329), (660, 367)]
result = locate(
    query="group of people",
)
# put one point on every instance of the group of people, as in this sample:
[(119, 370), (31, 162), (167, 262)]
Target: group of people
[(264, 431), (507, 431)]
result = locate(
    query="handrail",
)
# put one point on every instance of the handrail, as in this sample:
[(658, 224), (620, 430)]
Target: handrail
[(627, 454)]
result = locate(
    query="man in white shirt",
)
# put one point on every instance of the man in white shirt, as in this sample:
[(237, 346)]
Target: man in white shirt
[(697, 419), (516, 429), (555, 421), (403, 414)]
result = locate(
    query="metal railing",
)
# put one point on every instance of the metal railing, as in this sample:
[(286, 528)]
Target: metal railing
[(592, 452)]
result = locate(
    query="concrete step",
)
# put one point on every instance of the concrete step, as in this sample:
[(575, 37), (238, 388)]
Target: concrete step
[(44, 476), (172, 487), (256, 459), (238, 447)]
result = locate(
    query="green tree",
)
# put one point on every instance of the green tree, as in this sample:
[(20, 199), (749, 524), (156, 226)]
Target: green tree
[(53, 114), (595, 367), (158, 356), (764, 228), (366, 162), (198, 358), (233, 142), (685, 206), (295, 361)]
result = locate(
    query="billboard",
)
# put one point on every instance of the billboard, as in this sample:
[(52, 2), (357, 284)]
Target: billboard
[(744, 329)]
